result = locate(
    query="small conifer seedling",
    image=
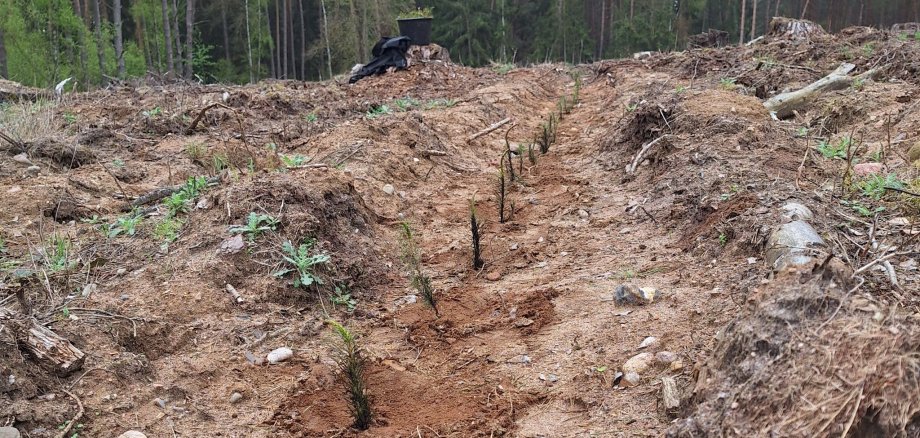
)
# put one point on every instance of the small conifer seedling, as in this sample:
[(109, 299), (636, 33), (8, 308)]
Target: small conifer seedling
[(474, 228), (351, 364)]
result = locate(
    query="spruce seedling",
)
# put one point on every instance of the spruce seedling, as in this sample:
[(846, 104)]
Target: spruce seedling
[(412, 258), (474, 229), (351, 364), (501, 194)]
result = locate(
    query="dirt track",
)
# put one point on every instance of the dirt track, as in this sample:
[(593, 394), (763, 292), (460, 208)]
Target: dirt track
[(528, 346)]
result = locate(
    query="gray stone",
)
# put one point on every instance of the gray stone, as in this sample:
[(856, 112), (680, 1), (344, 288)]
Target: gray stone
[(630, 379), (22, 159), (647, 342), (793, 244), (630, 294), (233, 245), (389, 189), (796, 212), (279, 355), (9, 432), (33, 170), (665, 357), (132, 434), (235, 397)]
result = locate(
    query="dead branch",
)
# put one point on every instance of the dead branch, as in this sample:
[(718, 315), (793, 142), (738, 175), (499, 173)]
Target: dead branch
[(784, 104), (237, 298), (895, 189), (631, 168), (491, 128), (16, 144), (66, 430), (160, 193), (191, 128)]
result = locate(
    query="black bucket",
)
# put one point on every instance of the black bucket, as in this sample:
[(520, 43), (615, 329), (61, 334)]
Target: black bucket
[(417, 29)]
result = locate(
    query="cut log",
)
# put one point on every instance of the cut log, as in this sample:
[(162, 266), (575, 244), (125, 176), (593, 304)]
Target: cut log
[(46, 346), (670, 397), (908, 28), (783, 105), (782, 27)]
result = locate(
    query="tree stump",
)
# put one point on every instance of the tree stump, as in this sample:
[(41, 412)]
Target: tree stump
[(713, 38), (781, 27), (431, 52)]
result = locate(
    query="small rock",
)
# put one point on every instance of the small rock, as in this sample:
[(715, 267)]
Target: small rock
[(494, 276), (159, 402), (796, 212), (540, 240), (389, 189), (638, 363), (205, 203), (630, 294), (124, 297), (583, 214), (89, 289), (900, 221), (914, 153), (132, 434), (33, 170), (235, 397), (279, 355), (22, 159), (665, 357), (868, 169), (233, 245), (514, 247), (9, 432), (121, 271), (630, 379), (523, 322), (548, 377), (651, 340), (677, 365)]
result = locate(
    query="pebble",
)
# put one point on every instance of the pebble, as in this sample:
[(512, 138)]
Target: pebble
[(389, 189), (523, 322), (514, 247), (235, 397), (665, 357), (649, 341), (868, 169), (9, 432), (132, 434), (677, 365), (638, 363), (494, 276), (22, 159), (33, 170), (279, 355), (583, 213), (160, 402), (89, 289), (548, 377), (121, 271), (233, 245), (205, 203), (630, 379)]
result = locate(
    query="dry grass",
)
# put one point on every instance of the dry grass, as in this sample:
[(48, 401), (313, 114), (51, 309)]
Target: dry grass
[(29, 121)]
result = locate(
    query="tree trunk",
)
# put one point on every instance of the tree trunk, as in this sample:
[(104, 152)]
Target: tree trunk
[(303, 42), (278, 66), (100, 47), (357, 39), (4, 73), (119, 41), (223, 24), (84, 57), (177, 37), (284, 39), (743, 14), (290, 37), (189, 38), (249, 44), (753, 19), (804, 9), (170, 63), (326, 32)]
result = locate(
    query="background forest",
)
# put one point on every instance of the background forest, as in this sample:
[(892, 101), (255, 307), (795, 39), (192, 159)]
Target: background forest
[(95, 41)]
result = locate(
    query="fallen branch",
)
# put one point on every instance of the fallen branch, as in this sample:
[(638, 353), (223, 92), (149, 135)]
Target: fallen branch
[(16, 144), (191, 128), (236, 295), (160, 193), (491, 128), (895, 189), (66, 430), (638, 159), (783, 105)]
